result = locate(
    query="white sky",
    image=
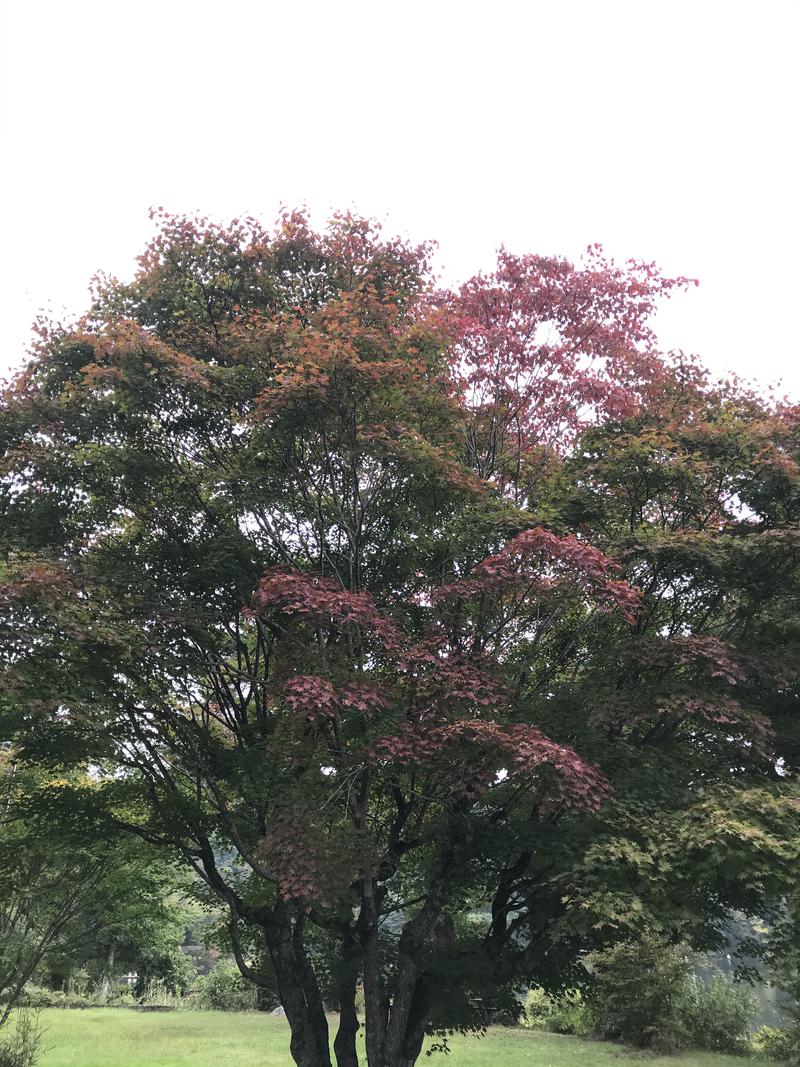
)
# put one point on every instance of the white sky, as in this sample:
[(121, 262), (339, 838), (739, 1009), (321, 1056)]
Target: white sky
[(665, 130)]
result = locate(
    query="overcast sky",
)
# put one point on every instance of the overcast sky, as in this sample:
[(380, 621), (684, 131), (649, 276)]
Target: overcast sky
[(664, 130)]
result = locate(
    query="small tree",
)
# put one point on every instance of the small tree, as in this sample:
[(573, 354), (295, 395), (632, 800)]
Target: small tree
[(641, 992)]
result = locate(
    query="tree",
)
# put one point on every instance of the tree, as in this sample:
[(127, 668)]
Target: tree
[(137, 924), (43, 887), (411, 600), (67, 893)]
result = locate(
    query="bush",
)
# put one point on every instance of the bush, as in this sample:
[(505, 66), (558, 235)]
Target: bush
[(22, 1041), (224, 989), (34, 996), (120, 998), (570, 1014), (537, 1009), (564, 1013), (641, 992), (721, 1015), (774, 1044)]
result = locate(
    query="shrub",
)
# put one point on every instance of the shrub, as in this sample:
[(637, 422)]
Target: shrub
[(564, 1013), (224, 989), (721, 1015), (360, 1001), (641, 993), (34, 996), (37, 997), (22, 1041), (78, 982), (120, 998), (537, 1009), (570, 1014), (774, 1044)]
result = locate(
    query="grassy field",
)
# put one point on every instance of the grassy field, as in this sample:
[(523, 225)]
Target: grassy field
[(122, 1038)]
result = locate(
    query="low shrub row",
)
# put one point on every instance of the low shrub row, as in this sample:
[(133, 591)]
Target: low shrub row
[(36, 997), (645, 994)]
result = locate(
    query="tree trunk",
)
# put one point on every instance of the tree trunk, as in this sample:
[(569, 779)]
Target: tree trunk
[(405, 1031), (299, 995), (105, 982), (344, 1045), (375, 1006), (401, 1044), (395, 1034), (417, 1023)]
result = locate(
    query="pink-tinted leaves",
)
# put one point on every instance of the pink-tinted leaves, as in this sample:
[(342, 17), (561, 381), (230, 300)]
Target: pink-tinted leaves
[(543, 561), (314, 697), (322, 601), (542, 346), (311, 860), (476, 750)]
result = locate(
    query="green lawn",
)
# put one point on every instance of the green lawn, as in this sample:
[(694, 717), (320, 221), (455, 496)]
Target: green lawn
[(117, 1037)]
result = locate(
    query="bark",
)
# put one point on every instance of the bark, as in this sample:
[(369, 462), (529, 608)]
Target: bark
[(417, 1023), (395, 1035), (375, 1006), (105, 984), (299, 996), (344, 1045), (406, 1026)]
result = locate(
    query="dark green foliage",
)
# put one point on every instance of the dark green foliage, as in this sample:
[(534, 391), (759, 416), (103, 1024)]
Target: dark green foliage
[(224, 989), (645, 993), (79, 905), (640, 994), (783, 958), (330, 583), (721, 1012)]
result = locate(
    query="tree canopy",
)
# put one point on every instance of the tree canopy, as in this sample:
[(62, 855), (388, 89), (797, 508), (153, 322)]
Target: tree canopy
[(466, 619)]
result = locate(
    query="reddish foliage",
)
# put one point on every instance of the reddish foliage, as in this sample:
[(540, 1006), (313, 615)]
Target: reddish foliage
[(315, 697), (668, 714), (37, 581), (125, 354), (322, 601), (709, 655), (475, 750), (541, 345), (543, 561), (715, 655), (442, 675), (305, 865)]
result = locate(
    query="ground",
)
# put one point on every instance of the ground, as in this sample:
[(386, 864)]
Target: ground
[(118, 1037)]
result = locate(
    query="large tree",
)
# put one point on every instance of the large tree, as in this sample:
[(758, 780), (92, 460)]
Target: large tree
[(428, 605)]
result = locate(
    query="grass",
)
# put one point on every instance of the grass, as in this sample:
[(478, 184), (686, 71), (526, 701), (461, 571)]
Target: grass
[(117, 1037)]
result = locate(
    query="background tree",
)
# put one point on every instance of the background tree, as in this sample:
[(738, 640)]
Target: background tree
[(70, 897), (392, 592), (138, 926)]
